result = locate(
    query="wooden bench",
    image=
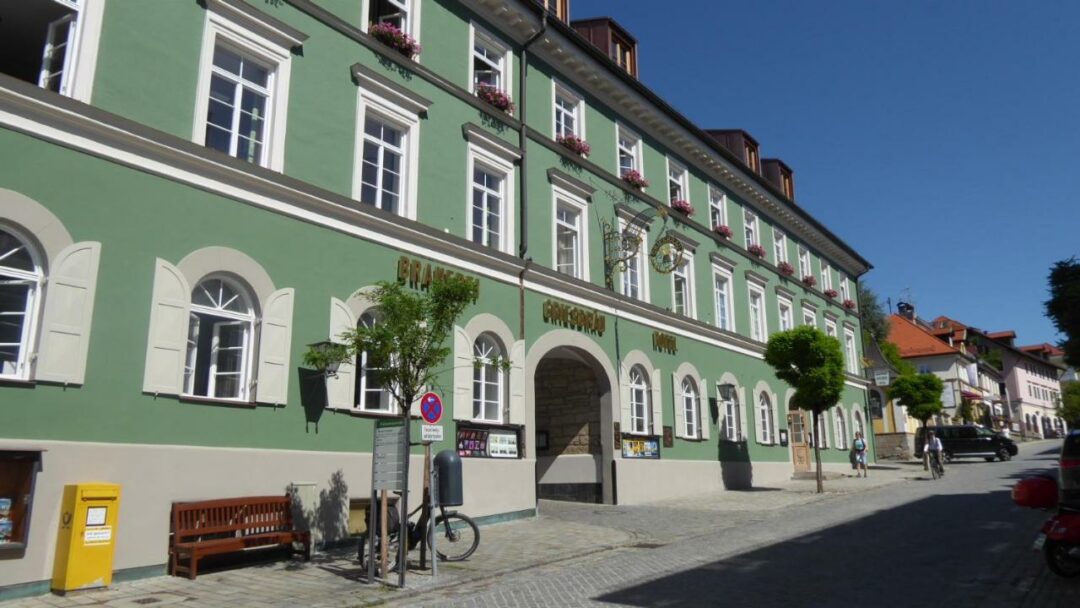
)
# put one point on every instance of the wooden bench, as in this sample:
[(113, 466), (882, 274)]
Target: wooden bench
[(231, 525)]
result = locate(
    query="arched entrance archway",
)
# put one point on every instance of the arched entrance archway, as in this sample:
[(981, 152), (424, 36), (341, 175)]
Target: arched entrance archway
[(569, 393)]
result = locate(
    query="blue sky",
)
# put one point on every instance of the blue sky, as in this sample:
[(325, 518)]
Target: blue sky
[(938, 138)]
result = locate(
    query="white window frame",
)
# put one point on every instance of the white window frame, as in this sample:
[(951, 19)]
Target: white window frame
[(845, 289), (786, 321), (480, 36), (830, 326), (826, 276), (646, 391), (558, 90), (751, 236), (806, 269), (565, 198), (762, 322), (80, 60), (478, 155), (840, 429), (779, 245), (481, 369), (360, 396), (678, 176), (686, 271), (640, 264), (732, 413), (405, 118), (219, 30), (412, 21), (851, 350), (717, 207), (827, 422), (221, 317), (810, 311), (766, 421), (690, 402), (31, 307), (728, 298), (622, 132)]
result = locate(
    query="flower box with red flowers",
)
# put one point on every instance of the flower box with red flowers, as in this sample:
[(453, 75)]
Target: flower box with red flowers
[(575, 144), (722, 230), (635, 179), (785, 269), (683, 206), (391, 36), (849, 304), (832, 293), (809, 280), (756, 250), (498, 99)]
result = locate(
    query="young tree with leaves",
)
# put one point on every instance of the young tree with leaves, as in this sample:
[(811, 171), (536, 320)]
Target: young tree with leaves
[(1063, 307), (813, 364), (920, 394), (875, 319), (1069, 408)]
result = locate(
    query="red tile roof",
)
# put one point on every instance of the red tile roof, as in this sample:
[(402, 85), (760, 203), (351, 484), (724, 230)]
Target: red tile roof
[(1045, 347), (915, 341), (997, 335)]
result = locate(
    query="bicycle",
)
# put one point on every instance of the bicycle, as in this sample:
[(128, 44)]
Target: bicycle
[(937, 470), (458, 536)]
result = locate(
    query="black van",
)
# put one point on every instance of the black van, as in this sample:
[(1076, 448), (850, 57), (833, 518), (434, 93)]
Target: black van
[(959, 441), (1070, 470)]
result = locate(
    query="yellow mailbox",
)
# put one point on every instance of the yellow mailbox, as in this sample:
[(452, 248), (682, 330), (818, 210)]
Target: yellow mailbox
[(87, 536)]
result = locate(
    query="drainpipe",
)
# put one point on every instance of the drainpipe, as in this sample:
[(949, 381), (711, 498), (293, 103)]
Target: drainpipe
[(523, 244)]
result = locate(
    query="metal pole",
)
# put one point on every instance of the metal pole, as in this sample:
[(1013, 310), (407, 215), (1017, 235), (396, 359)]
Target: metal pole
[(371, 539), (434, 476), (403, 534)]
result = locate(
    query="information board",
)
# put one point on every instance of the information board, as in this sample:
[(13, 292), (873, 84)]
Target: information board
[(388, 461)]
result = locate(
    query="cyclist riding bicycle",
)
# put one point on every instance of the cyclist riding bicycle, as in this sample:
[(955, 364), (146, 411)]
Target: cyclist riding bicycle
[(933, 448)]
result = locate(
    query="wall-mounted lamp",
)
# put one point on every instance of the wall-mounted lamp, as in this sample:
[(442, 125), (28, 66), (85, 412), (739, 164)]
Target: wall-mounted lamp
[(727, 392), (325, 350)]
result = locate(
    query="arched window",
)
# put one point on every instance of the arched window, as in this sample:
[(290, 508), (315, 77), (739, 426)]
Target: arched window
[(765, 418), (371, 393), (826, 416), (732, 423), (640, 401), (220, 341), (21, 275), (841, 430), (489, 381), (859, 423), (691, 403)]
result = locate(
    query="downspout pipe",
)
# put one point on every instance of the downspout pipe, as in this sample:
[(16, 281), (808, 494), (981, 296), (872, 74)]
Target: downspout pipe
[(523, 242)]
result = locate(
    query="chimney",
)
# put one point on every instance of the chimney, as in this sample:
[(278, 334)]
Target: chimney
[(608, 36), (906, 310), (781, 175), (739, 143), (560, 9)]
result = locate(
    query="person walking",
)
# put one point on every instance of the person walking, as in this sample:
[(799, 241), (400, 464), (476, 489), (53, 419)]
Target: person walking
[(859, 445)]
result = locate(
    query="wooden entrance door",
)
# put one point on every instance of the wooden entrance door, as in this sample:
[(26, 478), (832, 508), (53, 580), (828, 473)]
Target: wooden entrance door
[(800, 440)]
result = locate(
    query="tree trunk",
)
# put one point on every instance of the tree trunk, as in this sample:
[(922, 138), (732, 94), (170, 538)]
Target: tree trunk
[(817, 454)]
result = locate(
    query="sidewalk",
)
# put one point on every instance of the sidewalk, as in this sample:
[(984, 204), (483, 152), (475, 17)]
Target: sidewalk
[(561, 532)]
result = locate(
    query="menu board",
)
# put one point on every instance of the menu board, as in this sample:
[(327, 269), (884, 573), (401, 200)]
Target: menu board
[(475, 442)]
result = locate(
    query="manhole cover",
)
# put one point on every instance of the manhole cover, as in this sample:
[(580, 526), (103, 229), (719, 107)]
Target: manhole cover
[(146, 600), (646, 545)]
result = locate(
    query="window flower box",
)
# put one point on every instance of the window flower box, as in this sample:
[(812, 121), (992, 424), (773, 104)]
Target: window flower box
[(722, 231), (498, 99), (575, 144), (756, 250), (683, 206), (832, 293), (849, 304), (785, 269), (635, 179), (391, 36), (809, 280)]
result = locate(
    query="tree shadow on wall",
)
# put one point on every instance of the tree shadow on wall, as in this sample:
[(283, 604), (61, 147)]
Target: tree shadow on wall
[(332, 510)]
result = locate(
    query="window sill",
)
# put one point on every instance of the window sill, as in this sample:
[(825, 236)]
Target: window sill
[(17, 383), (12, 550), (220, 402)]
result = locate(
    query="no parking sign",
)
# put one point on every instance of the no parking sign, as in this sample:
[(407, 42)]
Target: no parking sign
[(431, 408)]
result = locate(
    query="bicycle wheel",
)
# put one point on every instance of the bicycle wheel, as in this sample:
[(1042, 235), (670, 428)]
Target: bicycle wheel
[(934, 468), (457, 537), (391, 554)]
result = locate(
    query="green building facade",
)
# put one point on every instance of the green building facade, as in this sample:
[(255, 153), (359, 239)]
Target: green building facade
[(193, 191)]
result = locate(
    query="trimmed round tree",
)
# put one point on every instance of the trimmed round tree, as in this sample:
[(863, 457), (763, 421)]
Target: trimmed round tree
[(920, 394), (813, 364)]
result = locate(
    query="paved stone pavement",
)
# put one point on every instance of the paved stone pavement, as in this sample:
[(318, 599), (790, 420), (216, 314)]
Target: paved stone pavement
[(654, 555)]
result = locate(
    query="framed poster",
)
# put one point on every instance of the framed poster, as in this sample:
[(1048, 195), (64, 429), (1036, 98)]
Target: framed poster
[(641, 447), (488, 442)]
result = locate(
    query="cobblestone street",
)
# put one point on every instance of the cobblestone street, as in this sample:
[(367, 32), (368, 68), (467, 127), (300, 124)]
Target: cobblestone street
[(772, 546)]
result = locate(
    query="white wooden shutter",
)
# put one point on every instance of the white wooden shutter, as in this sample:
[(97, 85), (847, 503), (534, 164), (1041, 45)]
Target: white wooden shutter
[(657, 404), (759, 431), (166, 346), (625, 421), (463, 374), (517, 383), (740, 405), (680, 414), (340, 391), (704, 412), (69, 309), (275, 342)]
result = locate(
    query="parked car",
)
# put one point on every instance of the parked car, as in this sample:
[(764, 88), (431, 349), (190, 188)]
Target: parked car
[(1069, 471), (958, 441)]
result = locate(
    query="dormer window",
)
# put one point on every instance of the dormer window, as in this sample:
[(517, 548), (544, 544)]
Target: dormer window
[(752, 159), (559, 8), (623, 54), (612, 39)]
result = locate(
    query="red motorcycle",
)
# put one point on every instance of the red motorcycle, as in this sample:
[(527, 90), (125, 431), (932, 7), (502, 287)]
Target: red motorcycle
[(1059, 539)]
